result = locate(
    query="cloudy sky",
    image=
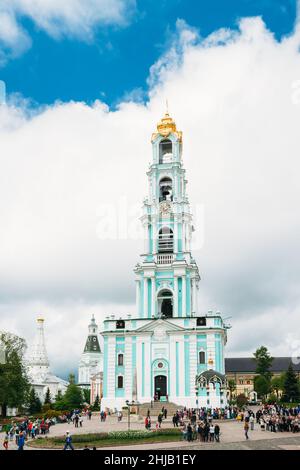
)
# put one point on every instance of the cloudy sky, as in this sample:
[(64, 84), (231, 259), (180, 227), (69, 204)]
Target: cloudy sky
[(86, 84)]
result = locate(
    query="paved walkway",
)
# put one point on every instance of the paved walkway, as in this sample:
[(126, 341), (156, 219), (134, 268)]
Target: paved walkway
[(232, 436)]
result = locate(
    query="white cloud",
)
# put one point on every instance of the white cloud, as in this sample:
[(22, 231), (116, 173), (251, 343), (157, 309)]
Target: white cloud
[(237, 104), (71, 18)]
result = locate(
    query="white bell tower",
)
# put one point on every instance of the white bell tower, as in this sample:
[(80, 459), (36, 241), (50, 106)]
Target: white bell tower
[(38, 361)]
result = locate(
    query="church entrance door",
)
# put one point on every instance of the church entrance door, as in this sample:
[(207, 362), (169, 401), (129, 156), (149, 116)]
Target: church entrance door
[(160, 385)]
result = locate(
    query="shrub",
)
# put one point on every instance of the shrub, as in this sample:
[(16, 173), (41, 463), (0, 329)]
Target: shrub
[(241, 400), (272, 399)]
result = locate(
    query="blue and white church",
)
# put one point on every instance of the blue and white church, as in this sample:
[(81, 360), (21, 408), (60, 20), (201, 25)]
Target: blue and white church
[(168, 350)]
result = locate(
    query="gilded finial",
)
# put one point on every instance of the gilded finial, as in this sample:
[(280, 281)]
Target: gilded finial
[(167, 126), (167, 107)]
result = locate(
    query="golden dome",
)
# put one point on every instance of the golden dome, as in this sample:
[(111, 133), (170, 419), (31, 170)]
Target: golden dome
[(40, 320), (165, 127)]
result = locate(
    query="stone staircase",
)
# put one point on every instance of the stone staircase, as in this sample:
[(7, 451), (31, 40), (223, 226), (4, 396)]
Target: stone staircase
[(157, 407)]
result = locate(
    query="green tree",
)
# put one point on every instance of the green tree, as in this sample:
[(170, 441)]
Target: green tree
[(73, 398), (231, 387), (86, 395), (14, 384), (264, 362), (48, 397), (59, 403), (277, 385), (34, 403), (290, 386), (96, 404), (262, 386)]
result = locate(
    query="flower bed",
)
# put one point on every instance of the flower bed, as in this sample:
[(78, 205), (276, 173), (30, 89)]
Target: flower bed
[(110, 438), (118, 435)]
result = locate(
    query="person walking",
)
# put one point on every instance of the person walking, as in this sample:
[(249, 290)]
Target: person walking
[(68, 441), (246, 429), (217, 433), (211, 433), (189, 432), (17, 435), (251, 420), (206, 432), (21, 441)]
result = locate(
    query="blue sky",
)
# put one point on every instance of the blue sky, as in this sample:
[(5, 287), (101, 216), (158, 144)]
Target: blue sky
[(118, 57)]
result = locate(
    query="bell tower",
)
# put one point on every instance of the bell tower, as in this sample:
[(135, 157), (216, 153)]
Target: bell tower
[(91, 361), (168, 350), (167, 276)]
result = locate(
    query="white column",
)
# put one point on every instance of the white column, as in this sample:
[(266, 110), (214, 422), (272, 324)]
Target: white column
[(128, 367), (146, 243), (172, 365), (196, 299), (111, 364), (145, 297), (188, 237), (153, 299), (194, 295), (181, 366), (147, 366), (138, 296), (175, 306), (183, 295), (175, 235), (184, 247), (153, 238), (139, 370), (193, 364), (153, 187)]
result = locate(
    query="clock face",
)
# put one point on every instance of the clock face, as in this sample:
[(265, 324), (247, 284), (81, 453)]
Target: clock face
[(165, 208)]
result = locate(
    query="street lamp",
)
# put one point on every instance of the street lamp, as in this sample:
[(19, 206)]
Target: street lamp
[(197, 403), (129, 404)]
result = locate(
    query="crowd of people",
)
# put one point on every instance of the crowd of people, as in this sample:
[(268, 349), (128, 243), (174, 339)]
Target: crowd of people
[(277, 418), (195, 424), (20, 432)]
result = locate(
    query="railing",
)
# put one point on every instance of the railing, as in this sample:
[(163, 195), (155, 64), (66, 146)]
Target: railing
[(165, 258)]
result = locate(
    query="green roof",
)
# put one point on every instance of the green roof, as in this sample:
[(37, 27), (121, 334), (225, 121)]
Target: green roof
[(92, 344)]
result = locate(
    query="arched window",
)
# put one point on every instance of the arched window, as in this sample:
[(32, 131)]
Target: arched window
[(120, 359), (165, 303), (165, 189), (120, 381), (201, 357), (165, 240), (165, 151)]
